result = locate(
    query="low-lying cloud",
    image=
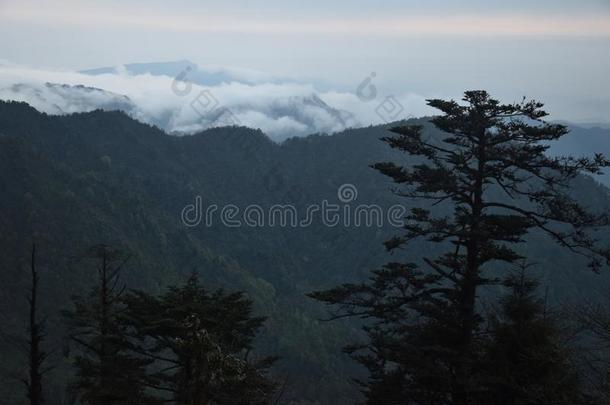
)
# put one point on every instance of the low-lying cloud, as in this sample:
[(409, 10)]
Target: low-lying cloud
[(196, 99)]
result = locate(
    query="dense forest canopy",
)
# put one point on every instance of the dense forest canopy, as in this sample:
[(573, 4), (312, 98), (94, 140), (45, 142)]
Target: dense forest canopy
[(72, 182)]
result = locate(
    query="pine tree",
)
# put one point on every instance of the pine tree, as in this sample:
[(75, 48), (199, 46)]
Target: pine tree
[(411, 334), (489, 171), (200, 341), (526, 360), (106, 372)]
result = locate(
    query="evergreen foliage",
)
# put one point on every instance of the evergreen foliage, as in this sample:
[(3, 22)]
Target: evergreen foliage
[(526, 359), (106, 372), (200, 341), (101, 177), (490, 169)]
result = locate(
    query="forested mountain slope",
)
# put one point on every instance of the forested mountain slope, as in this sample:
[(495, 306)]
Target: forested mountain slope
[(68, 182)]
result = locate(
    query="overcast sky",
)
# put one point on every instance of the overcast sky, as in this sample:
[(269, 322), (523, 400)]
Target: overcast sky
[(555, 50)]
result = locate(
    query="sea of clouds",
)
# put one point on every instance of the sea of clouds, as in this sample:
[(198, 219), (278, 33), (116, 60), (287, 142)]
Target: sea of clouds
[(195, 99)]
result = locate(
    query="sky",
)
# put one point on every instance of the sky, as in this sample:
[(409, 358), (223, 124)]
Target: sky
[(557, 51)]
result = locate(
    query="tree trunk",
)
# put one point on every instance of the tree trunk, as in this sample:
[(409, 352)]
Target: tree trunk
[(35, 338), (469, 285)]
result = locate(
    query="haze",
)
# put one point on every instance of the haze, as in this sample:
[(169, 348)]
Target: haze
[(555, 51)]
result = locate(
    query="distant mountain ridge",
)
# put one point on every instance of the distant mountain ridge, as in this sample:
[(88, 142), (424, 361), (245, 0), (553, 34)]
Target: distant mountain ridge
[(183, 98), (196, 74), (54, 98), (585, 141)]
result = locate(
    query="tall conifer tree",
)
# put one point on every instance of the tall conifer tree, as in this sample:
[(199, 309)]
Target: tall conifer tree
[(106, 371), (488, 170)]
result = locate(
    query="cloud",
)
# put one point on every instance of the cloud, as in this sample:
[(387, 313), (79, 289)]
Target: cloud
[(279, 107)]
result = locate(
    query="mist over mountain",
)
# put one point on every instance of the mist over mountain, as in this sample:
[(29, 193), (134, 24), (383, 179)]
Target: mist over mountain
[(58, 99), (304, 203), (194, 73), (180, 97)]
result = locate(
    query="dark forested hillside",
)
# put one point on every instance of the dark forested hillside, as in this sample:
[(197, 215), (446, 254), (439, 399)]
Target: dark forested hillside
[(73, 181)]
